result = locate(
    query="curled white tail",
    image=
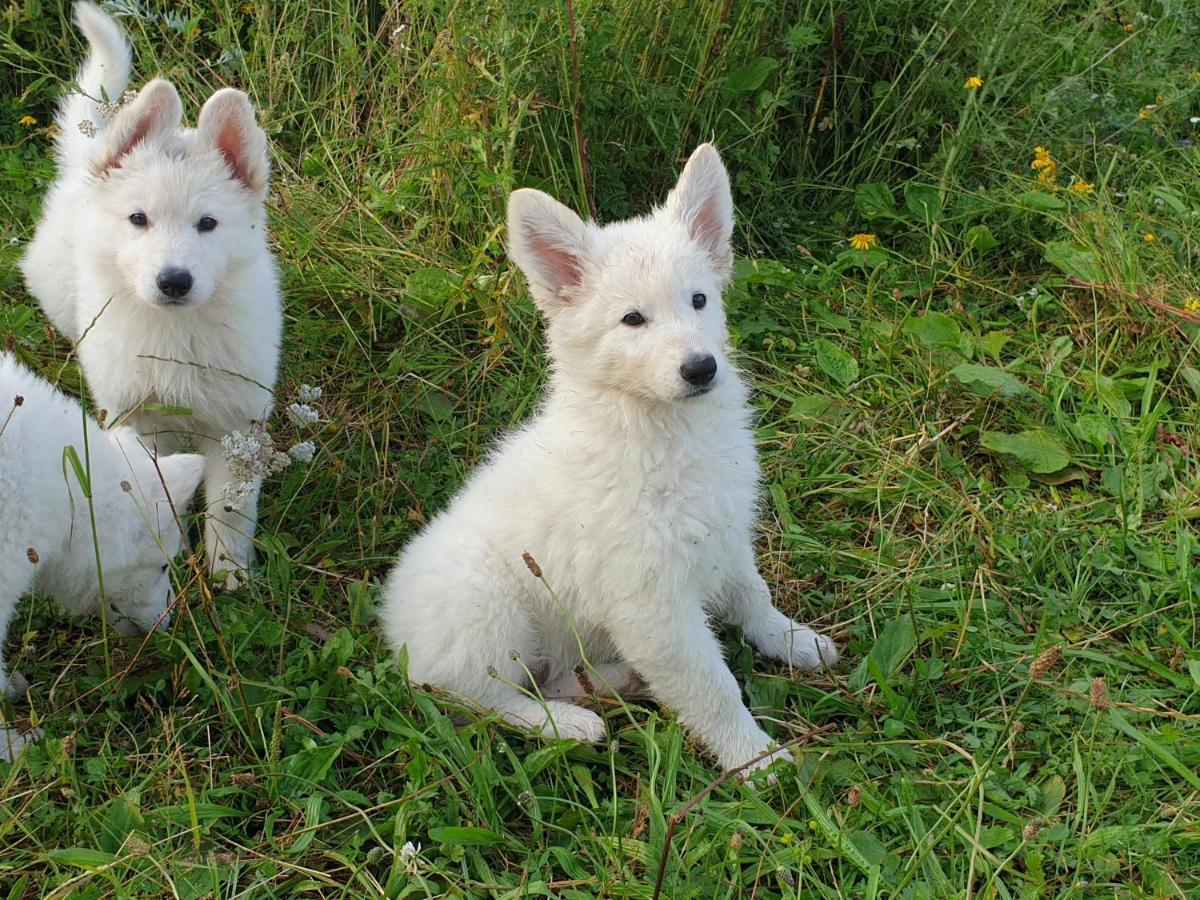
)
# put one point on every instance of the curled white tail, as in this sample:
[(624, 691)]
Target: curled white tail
[(104, 75)]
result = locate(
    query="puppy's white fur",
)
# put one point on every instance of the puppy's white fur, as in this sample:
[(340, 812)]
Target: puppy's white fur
[(213, 352), (634, 493), (43, 508)]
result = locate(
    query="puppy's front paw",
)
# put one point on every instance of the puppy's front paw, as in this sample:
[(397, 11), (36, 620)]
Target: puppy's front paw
[(574, 723), (801, 647), (226, 575), (12, 742), (15, 686), (780, 753)]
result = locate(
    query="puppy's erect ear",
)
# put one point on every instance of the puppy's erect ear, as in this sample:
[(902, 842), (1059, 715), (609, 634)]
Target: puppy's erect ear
[(227, 124), (702, 201), (547, 241), (153, 115), (181, 474)]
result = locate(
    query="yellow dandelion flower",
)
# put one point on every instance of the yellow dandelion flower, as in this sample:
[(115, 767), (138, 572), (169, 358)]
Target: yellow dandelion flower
[(1144, 112), (863, 241), (27, 121), (1192, 304), (1086, 188), (973, 83), (1045, 166), (1149, 237)]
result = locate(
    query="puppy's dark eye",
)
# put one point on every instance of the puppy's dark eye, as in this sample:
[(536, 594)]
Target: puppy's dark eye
[(206, 223), (698, 300), (139, 219), (633, 319)]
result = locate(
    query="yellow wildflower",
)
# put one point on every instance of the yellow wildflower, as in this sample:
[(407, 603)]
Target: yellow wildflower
[(863, 241), (1144, 112), (1192, 304), (1086, 188), (1044, 164), (1149, 237), (27, 121), (973, 83)]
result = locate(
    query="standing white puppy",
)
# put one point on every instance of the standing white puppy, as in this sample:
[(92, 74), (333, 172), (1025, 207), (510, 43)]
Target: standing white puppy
[(46, 536), (634, 487), (152, 255)]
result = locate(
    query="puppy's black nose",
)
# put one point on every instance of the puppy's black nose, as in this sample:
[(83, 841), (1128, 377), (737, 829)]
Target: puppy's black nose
[(699, 370), (175, 282)]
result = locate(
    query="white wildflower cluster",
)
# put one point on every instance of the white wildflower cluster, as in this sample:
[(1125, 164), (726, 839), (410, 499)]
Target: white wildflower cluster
[(252, 455), (410, 858), (87, 128), (109, 108), (301, 415)]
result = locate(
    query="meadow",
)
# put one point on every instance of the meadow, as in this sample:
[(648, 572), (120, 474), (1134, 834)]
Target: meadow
[(967, 299)]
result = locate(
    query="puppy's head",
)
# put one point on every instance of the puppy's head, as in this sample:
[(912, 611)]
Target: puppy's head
[(636, 305), (174, 211), (143, 536)]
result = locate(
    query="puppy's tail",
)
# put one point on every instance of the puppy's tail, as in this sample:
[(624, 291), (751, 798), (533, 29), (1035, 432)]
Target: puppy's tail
[(102, 78)]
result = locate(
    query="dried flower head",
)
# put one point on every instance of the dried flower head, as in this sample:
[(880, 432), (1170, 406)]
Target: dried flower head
[(531, 564), (1047, 661), (1099, 695), (32, 556)]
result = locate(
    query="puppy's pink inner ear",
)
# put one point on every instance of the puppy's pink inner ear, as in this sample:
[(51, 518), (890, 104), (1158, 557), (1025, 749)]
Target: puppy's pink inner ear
[(561, 268), (231, 142), (135, 137)]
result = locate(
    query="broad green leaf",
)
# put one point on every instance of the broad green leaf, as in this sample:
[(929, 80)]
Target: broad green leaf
[(836, 362), (120, 818), (861, 259), (1054, 790), (874, 199), (751, 76), (938, 331), (465, 836), (81, 857), (1192, 377), (1075, 261), (993, 343), (1171, 198), (1040, 201), (1194, 670), (1091, 428), (980, 237), (762, 271), (431, 287), (872, 849), (1034, 449), (993, 380), (891, 649), (923, 202)]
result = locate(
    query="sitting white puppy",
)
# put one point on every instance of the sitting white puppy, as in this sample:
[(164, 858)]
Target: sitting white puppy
[(634, 487), (152, 256), (46, 518)]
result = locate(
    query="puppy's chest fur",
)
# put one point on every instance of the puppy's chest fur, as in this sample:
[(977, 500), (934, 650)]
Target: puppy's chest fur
[(146, 363)]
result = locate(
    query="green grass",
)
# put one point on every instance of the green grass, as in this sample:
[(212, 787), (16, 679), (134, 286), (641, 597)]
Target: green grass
[(979, 441)]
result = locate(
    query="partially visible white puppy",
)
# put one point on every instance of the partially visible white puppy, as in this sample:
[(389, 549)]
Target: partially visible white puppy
[(152, 255), (634, 487), (46, 535)]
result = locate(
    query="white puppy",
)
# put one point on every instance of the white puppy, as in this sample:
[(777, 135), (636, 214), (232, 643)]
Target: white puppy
[(634, 487), (152, 255), (46, 522)]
